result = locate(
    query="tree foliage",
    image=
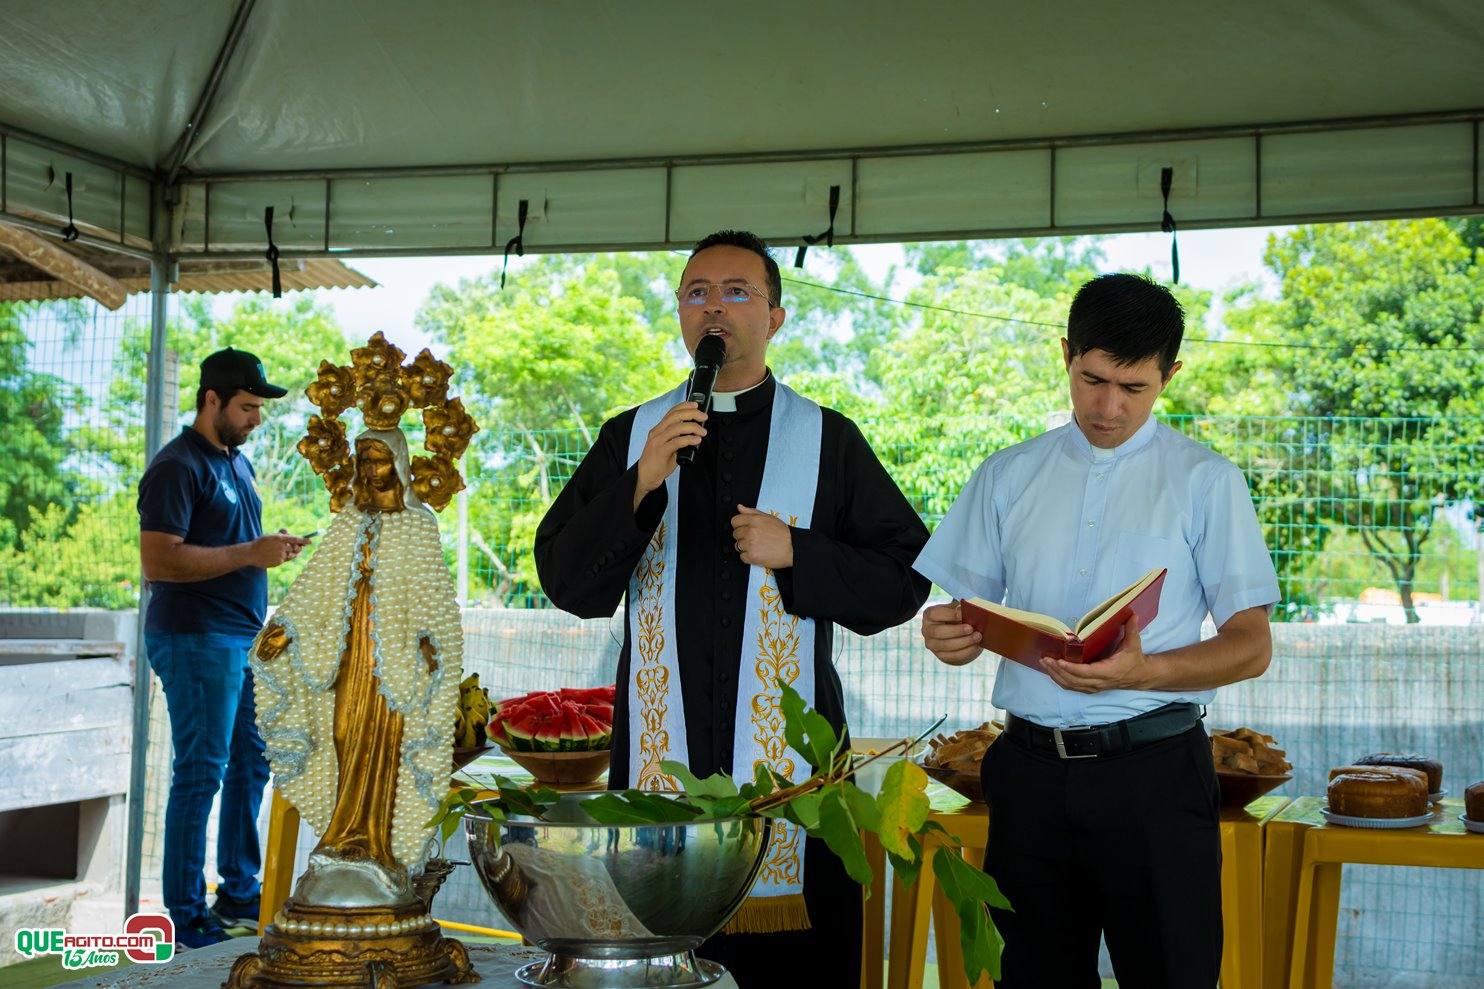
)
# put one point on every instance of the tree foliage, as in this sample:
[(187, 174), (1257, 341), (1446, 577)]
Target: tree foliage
[(543, 363), (1376, 320), (34, 443), (78, 506), (1373, 320)]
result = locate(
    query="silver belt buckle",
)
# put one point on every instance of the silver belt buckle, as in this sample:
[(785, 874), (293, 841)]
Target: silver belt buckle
[(1061, 748)]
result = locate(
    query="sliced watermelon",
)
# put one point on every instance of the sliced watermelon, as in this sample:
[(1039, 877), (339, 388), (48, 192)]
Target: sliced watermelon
[(521, 729), (601, 713), (498, 706), (589, 695), (599, 735), (571, 719)]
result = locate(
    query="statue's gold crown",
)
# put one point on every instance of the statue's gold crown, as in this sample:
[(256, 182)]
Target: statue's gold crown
[(378, 384)]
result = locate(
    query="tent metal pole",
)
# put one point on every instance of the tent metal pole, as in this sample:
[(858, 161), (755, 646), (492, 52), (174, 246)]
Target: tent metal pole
[(154, 429)]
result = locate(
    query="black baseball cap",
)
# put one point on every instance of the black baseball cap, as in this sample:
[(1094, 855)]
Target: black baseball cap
[(238, 369)]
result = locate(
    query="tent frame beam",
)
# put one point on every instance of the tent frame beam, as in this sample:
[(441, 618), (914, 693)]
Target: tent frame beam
[(1255, 214), (852, 153), (73, 151), (187, 140), (908, 237)]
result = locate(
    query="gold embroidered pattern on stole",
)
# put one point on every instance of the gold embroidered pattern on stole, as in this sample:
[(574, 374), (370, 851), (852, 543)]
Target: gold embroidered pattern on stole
[(777, 659), (600, 917), (652, 679)]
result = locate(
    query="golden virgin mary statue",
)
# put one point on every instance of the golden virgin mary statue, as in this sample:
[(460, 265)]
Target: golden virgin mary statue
[(357, 677)]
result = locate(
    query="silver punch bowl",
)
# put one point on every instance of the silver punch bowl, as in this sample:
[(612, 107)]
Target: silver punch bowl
[(616, 905)]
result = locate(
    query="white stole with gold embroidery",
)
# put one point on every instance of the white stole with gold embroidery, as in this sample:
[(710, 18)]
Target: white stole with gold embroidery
[(775, 645)]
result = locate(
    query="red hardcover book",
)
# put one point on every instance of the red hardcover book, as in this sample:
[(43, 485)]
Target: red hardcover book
[(1025, 636)]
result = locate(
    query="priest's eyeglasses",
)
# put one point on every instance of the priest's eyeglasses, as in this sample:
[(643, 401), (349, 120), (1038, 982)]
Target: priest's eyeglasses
[(734, 293)]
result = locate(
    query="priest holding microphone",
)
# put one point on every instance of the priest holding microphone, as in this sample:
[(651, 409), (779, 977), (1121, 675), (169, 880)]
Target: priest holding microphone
[(739, 522)]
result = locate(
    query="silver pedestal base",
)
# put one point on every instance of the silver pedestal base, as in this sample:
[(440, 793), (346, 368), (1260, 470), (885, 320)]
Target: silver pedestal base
[(621, 970)]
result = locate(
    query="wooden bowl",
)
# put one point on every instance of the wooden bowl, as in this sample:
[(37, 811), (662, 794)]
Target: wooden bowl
[(562, 768), (1240, 789), (967, 784), (462, 757)]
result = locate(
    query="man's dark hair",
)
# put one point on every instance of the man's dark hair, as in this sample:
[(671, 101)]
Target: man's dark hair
[(1130, 317), (748, 241), (225, 394)]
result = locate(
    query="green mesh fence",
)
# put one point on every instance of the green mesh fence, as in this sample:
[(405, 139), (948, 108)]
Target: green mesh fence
[(1368, 521)]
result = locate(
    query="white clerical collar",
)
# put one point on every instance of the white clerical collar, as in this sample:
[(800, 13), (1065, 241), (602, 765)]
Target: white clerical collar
[(1136, 442), (726, 401)]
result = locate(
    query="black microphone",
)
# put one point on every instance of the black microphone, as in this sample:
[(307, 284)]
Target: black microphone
[(710, 353)]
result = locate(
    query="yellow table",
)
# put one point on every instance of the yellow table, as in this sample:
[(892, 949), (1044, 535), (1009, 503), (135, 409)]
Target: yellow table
[(1313, 879), (913, 905), (1242, 848), (1243, 836)]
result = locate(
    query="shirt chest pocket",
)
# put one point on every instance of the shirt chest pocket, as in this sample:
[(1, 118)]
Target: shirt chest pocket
[(1138, 553)]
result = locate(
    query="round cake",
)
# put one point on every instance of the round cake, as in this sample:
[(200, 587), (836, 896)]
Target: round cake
[(1473, 802), (1357, 791), (1432, 767)]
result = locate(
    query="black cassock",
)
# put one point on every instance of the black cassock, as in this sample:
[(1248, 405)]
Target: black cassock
[(852, 566)]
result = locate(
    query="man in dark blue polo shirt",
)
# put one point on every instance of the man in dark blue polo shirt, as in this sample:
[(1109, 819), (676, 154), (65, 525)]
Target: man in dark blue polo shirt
[(206, 559)]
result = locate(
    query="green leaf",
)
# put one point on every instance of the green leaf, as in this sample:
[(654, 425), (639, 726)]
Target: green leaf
[(862, 807), (724, 807), (715, 785), (969, 890), (823, 742), (763, 781), (904, 806), (961, 881), (793, 719), (907, 867), (804, 810), (806, 730), (638, 807), (842, 834), (520, 801)]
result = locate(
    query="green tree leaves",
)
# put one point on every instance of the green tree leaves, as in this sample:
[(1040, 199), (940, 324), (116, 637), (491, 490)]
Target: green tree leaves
[(1375, 320)]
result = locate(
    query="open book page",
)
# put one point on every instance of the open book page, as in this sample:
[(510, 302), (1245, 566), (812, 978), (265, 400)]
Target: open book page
[(1097, 616), (1035, 620)]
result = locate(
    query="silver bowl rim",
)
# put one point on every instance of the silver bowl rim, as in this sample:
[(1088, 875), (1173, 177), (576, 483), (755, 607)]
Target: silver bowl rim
[(571, 798)]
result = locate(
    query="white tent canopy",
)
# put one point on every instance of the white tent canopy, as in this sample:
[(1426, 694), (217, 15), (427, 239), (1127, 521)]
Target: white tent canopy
[(390, 127), (393, 127)]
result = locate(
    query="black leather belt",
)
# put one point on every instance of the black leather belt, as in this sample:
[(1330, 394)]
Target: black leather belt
[(1118, 736)]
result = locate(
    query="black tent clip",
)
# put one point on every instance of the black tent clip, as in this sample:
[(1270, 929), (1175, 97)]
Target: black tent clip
[(829, 234), (273, 253), (70, 231), (1167, 222), (518, 242)]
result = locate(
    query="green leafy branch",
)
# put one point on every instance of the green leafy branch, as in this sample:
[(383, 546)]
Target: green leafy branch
[(827, 805)]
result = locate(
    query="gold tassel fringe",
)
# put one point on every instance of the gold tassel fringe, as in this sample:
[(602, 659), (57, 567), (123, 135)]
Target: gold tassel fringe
[(770, 914)]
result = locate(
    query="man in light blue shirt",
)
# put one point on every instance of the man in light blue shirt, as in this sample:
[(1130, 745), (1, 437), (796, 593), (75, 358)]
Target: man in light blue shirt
[(1102, 792)]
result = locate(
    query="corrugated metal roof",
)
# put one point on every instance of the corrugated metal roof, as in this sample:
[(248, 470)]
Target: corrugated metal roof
[(29, 285)]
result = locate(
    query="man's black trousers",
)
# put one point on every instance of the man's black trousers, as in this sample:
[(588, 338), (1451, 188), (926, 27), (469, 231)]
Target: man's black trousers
[(825, 956), (1127, 844)]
